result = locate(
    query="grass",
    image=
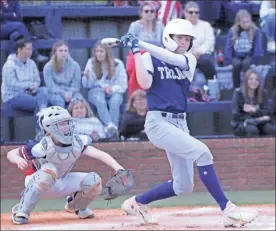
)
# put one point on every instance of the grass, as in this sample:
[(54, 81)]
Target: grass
[(195, 199)]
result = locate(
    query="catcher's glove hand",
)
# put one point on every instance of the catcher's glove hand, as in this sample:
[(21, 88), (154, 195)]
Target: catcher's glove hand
[(118, 185)]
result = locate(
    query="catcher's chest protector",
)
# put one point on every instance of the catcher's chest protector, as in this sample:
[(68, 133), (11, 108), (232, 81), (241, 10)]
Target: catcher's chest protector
[(63, 158)]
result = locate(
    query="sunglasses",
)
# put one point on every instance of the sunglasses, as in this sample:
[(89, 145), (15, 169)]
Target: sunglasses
[(149, 11), (193, 12)]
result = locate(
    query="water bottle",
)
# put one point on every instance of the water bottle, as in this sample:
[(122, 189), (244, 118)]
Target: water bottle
[(220, 58), (214, 91)]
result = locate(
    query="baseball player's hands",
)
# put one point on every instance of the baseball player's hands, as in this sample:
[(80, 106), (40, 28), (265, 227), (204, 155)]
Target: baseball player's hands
[(128, 40), (22, 164)]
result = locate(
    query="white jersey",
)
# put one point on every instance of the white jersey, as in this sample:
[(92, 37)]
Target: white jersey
[(64, 158)]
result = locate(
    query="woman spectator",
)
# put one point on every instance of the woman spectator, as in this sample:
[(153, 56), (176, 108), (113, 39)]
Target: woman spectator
[(133, 120), (244, 45), (147, 29), (21, 82), (62, 76), (250, 108), (11, 25), (106, 78), (204, 43), (87, 126), (267, 15)]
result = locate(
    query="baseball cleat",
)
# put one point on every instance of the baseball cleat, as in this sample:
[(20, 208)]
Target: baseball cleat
[(81, 213), (131, 207), (20, 219), (233, 216)]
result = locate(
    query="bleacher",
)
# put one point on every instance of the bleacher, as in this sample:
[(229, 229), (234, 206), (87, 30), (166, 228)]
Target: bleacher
[(109, 21)]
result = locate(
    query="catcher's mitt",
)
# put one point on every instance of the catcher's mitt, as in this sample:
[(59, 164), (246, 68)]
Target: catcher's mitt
[(118, 185)]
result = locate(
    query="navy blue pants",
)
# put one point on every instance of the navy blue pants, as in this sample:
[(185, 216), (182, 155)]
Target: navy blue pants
[(11, 29)]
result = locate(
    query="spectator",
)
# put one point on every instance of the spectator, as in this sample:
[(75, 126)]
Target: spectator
[(267, 15), (204, 43), (134, 117), (87, 125), (273, 114), (11, 25), (148, 28), (20, 87), (123, 3), (62, 76), (106, 78), (250, 108), (243, 46)]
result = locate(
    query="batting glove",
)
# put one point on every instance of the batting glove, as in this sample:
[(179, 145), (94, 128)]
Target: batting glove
[(128, 40)]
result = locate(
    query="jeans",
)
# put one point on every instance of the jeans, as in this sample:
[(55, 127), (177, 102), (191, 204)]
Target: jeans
[(206, 65), (102, 102), (239, 65), (11, 27), (27, 102), (58, 100), (268, 26)]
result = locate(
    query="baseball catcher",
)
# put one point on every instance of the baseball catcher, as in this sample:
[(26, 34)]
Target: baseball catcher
[(47, 166)]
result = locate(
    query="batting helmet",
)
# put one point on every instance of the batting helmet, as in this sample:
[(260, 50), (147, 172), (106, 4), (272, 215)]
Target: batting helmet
[(177, 27)]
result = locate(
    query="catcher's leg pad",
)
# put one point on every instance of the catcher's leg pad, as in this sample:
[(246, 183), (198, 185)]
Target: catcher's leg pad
[(41, 182), (91, 187)]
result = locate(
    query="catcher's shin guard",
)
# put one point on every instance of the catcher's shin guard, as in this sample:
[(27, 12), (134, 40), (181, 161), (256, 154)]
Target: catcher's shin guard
[(91, 187), (42, 181)]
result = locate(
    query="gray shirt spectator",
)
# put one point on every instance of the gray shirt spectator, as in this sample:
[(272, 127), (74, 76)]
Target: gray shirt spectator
[(62, 76)]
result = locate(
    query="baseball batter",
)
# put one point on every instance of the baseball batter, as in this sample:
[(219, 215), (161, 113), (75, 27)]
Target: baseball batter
[(166, 74), (47, 167)]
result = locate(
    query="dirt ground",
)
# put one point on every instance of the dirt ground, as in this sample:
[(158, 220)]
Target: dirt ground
[(174, 218)]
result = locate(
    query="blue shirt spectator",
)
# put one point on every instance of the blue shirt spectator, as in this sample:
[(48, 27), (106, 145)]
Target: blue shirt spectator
[(62, 76), (244, 45), (106, 78)]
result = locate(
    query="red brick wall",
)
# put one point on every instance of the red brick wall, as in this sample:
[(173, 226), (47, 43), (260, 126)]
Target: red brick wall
[(242, 164)]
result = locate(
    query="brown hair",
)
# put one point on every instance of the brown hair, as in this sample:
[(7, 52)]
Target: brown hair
[(57, 66), (258, 97), (237, 28), (109, 58), (153, 7), (89, 112), (272, 4), (136, 93)]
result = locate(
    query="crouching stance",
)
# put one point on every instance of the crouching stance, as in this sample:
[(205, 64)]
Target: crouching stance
[(47, 167)]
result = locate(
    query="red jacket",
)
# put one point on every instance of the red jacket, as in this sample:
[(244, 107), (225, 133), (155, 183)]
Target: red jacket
[(131, 71)]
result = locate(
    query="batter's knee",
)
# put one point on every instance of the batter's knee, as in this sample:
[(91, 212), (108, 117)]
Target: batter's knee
[(205, 155), (46, 176), (182, 188), (91, 183)]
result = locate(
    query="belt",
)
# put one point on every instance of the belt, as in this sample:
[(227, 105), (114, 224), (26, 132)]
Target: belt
[(174, 115)]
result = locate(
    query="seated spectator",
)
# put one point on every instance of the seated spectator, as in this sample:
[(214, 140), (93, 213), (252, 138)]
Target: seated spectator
[(243, 46), (133, 120), (123, 3), (62, 76), (87, 125), (106, 78), (250, 108), (21, 82), (267, 15), (11, 25), (147, 29), (204, 42)]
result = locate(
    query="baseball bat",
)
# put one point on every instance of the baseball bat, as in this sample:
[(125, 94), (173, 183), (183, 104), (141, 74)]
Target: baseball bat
[(111, 42)]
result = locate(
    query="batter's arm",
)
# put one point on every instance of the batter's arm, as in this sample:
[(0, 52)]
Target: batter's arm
[(143, 77), (102, 156)]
